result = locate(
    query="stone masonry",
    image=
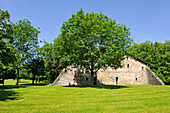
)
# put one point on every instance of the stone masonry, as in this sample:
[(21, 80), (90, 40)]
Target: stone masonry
[(135, 71)]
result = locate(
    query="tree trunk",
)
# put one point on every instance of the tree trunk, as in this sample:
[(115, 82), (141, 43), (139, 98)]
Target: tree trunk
[(92, 74), (92, 79), (17, 75), (3, 80), (33, 79), (39, 79)]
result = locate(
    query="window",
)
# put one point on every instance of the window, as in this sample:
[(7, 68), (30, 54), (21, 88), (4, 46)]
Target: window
[(95, 80), (86, 79), (136, 79), (127, 65), (142, 68), (127, 58)]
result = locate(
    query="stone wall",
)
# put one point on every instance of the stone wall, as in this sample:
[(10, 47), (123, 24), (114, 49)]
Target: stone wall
[(72, 76), (134, 72), (152, 78)]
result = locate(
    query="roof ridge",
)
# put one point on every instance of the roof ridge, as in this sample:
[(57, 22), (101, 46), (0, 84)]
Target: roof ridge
[(143, 61)]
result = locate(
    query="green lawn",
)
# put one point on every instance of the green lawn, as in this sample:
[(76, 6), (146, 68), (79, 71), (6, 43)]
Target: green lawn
[(109, 99), (13, 82), (23, 82)]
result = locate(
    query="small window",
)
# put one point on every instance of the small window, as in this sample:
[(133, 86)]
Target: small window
[(65, 70), (86, 79), (136, 79), (127, 65), (142, 68), (127, 58)]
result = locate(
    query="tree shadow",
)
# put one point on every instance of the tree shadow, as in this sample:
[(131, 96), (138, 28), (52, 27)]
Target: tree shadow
[(35, 84), (3, 87), (24, 82), (27, 83), (6, 93), (99, 86)]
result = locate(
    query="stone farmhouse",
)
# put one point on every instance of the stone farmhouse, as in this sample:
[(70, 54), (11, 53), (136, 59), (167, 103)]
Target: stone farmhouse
[(135, 72)]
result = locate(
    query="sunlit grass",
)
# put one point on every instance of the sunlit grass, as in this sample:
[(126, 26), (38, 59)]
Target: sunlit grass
[(22, 82), (13, 82), (129, 98)]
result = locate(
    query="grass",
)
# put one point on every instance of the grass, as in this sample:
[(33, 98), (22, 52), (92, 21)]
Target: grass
[(83, 99), (13, 82), (24, 82)]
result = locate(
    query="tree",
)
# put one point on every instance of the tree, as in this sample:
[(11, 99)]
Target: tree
[(7, 57), (165, 62), (25, 42), (92, 41), (36, 67), (48, 52), (157, 54), (142, 50)]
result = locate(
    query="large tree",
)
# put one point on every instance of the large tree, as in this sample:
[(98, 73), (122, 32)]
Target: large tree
[(7, 57), (93, 41), (25, 42)]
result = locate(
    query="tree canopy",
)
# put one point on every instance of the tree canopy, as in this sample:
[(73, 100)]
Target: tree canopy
[(157, 54), (25, 42), (36, 67), (7, 57), (92, 41)]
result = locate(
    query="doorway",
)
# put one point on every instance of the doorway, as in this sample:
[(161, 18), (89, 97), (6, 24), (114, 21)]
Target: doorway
[(95, 80), (117, 80)]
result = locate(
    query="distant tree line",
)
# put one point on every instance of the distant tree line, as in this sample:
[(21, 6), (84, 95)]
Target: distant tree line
[(20, 54), (157, 54), (18, 48)]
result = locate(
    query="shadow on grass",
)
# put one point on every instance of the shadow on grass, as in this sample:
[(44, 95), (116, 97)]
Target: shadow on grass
[(25, 82), (3, 87), (6, 93), (99, 86)]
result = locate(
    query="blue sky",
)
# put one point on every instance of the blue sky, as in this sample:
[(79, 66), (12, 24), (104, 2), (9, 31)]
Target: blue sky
[(147, 19)]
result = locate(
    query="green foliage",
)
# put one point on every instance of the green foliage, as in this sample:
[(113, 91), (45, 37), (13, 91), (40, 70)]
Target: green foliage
[(36, 67), (25, 42), (157, 54), (165, 61), (58, 79), (49, 53), (25, 39), (7, 57), (24, 73), (92, 41)]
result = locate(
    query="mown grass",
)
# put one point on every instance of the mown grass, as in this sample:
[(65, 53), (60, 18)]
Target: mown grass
[(83, 99), (13, 82), (24, 82)]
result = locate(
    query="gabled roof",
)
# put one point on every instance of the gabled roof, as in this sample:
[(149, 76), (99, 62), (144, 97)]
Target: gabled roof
[(140, 60)]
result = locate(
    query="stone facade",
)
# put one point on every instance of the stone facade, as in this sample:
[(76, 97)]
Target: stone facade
[(135, 71)]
